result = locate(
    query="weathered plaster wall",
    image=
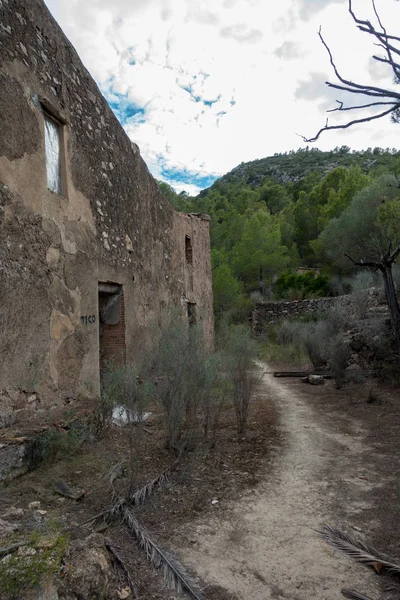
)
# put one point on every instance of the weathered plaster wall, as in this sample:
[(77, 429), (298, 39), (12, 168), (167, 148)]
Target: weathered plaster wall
[(111, 223)]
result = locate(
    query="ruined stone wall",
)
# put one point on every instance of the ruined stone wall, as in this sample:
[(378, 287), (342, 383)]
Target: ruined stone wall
[(274, 312), (109, 224)]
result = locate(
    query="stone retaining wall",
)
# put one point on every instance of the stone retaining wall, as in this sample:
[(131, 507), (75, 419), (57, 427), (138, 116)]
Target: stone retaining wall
[(273, 312)]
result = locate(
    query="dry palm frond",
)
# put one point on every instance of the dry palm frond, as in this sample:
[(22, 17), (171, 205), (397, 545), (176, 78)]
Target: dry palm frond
[(137, 498), (140, 495), (353, 595), (121, 561), (174, 574), (357, 550), (116, 472)]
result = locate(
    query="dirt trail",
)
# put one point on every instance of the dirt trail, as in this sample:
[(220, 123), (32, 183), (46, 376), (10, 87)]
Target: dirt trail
[(263, 545)]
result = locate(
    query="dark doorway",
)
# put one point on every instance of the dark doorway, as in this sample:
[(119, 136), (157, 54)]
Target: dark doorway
[(111, 325)]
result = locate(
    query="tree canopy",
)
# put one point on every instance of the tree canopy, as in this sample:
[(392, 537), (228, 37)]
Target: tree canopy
[(264, 224)]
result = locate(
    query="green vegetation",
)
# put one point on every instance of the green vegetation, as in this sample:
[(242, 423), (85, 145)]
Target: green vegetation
[(271, 216), (32, 564), (298, 286), (55, 444), (190, 383)]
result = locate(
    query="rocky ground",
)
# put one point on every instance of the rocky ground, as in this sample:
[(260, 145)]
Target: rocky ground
[(241, 517)]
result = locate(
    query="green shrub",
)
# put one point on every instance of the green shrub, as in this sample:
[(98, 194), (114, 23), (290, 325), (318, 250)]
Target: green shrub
[(56, 444), (296, 286)]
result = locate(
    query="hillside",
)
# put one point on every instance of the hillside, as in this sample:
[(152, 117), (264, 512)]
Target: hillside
[(268, 217), (294, 165)]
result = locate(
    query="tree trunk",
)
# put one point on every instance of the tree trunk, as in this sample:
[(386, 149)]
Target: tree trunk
[(391, 298)]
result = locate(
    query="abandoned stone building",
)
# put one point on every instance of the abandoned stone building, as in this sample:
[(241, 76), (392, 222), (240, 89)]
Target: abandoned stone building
[(91, 253)]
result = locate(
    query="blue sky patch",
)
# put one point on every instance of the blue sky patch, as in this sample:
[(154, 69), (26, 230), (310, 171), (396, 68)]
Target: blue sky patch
[(188, 177), (122, 108), (126, 111)]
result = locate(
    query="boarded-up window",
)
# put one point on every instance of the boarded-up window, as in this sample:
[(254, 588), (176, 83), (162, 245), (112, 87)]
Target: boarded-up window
[(52, 137), (188, 250)]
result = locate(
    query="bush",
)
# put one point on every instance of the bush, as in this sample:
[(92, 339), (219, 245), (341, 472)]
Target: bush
[(220, 393), (289, 332), (124, 387), (314, 336), (299, 286), (241, 351), (57, 444), (185, 379), (339, 286), (360, 284), (338, 356)]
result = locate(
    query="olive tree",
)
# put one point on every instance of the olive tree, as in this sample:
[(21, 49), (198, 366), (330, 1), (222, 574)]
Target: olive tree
[(367, 234)]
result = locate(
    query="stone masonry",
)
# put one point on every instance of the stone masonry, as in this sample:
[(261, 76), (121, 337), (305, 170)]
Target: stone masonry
[(102, 248)]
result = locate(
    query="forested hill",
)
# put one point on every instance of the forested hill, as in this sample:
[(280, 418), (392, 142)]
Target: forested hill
[(271, 216), (294, 165)]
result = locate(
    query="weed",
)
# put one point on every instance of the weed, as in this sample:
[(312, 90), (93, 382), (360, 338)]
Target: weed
[(55, 444)]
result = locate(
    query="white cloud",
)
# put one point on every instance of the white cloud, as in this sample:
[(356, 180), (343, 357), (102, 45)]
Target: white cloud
[(214, 76)]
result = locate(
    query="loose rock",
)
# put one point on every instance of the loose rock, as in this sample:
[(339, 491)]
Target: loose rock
[(316, 379)]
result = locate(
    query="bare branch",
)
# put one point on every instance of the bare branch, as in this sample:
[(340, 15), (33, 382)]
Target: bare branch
[(381, 38), (361, 263), (346, 125), (393, 64), (367, 27), (386, 97), (378, 17), (356, 86), (346, 108), (365, 92), (395, 255)]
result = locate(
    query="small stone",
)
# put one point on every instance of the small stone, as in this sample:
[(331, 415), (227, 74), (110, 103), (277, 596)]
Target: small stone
[(34, 505), (26, 551), (42, 512), (214, 501), (6, 528), (124, 593), (13, 512), (316, 379), (46, 543), (354, 367)]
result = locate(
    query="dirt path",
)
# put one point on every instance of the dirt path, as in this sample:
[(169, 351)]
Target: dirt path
[(263, 545)]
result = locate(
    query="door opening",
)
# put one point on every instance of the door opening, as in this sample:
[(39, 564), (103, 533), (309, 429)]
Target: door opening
[(111, 326)]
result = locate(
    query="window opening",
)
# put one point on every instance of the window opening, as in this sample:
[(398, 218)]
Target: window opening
[(188, 250), (191, 311), (52, 139)]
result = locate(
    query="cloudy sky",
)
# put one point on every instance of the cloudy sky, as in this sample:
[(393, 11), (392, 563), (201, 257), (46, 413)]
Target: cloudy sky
[(203, 85)]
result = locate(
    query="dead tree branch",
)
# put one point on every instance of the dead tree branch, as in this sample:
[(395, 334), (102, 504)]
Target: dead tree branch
[(387, 97)]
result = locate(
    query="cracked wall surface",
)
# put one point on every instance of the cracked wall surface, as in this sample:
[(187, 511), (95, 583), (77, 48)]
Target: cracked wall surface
[(110, 223)]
